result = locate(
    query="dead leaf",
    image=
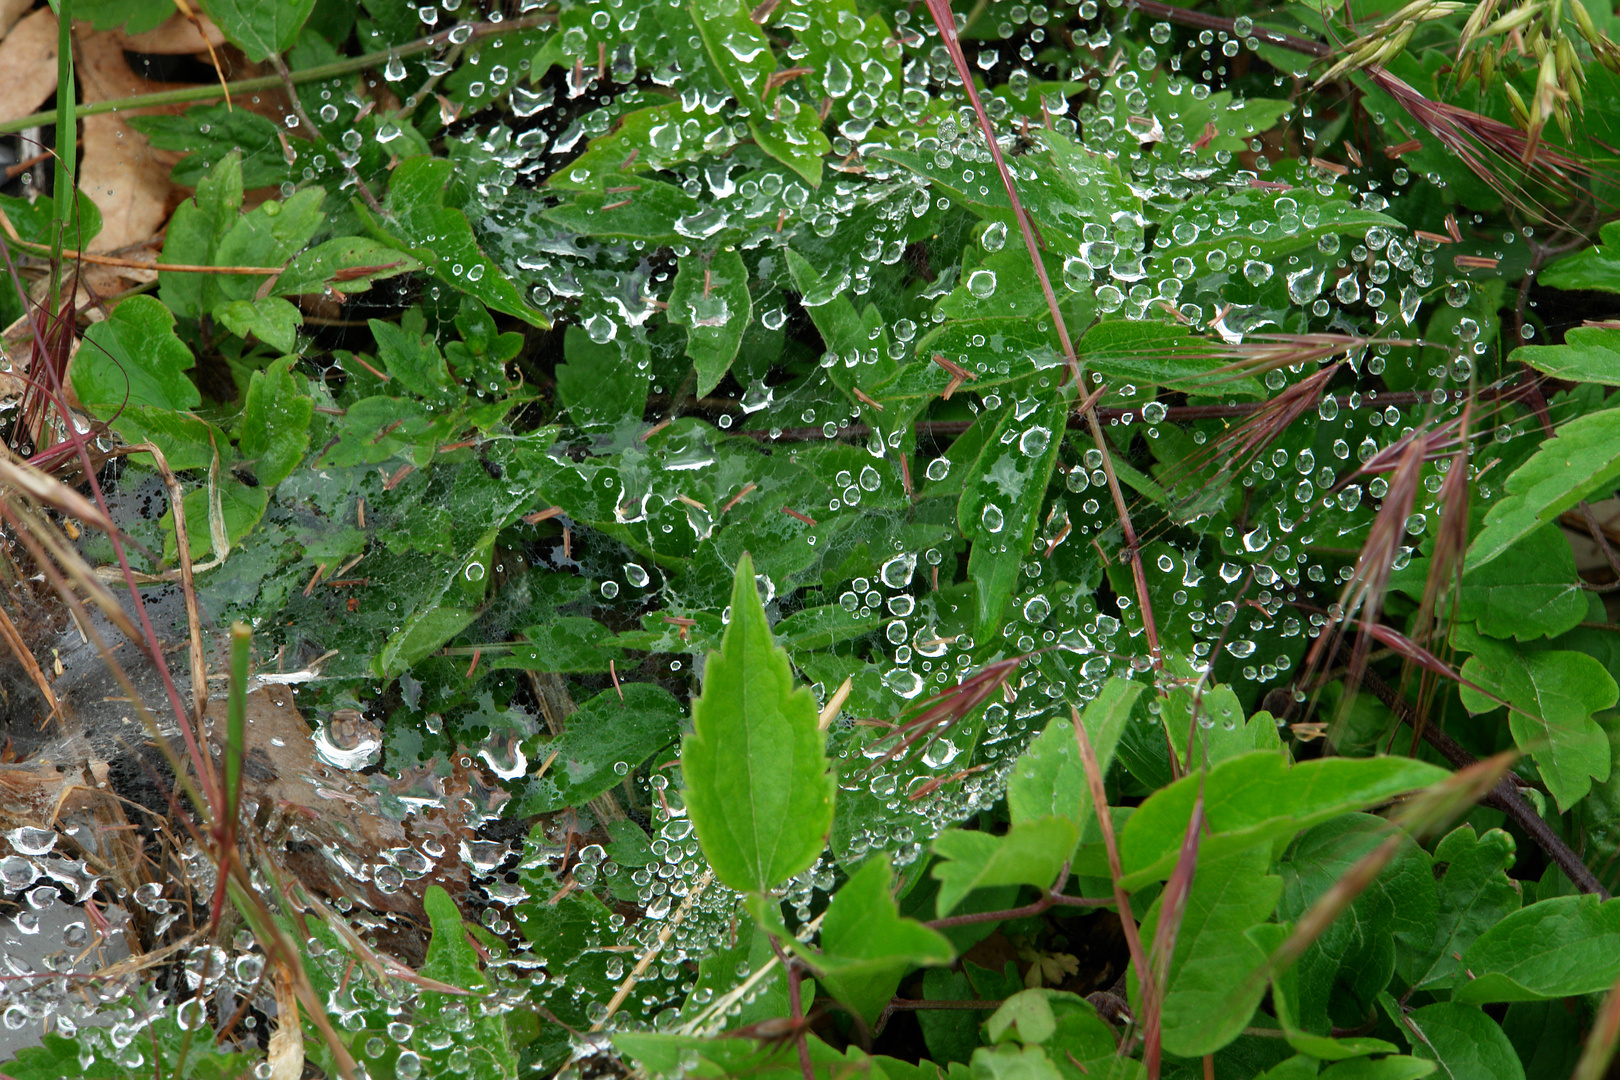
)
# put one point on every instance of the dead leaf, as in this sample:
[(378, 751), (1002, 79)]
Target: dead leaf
[(11, 11), (121, 173), (28, 57), (178, 37), (286, 1052)]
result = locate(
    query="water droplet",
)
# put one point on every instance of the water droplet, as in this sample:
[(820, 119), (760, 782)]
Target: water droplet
[(982, 284), (992, 518)]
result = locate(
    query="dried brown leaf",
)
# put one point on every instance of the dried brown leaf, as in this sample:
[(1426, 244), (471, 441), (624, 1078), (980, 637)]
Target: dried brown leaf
[(178, 37), (28, 58)]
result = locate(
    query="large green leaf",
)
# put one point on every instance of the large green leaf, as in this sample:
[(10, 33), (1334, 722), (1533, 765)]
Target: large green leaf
[(1466, 1043), (260, 28), (345, 264), (711, 300), (274, 430), (1212, 991), (269, 235), (1589, 354), (604, 734), (1047, 779), (757, 786), (1030, 853), (1557, 948), (1126, 350), (1532, 591), (1257, 798), (1582, 459), (1474, 895), (1001, 502), (133, 357), (866, 946), (1552, 697)]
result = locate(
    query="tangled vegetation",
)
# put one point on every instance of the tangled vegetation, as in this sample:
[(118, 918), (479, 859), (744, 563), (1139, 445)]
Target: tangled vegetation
[(657, 538)]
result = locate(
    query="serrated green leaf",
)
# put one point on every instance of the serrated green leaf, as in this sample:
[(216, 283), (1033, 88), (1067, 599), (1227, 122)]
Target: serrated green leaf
[(1596, 267), (347, 264), (194, 235), (272, 320), (133, 357), (565, 643), (866, 946), (736, 45), (269, 235), (1556, 948), (1474, 894), (1030, 853), (484, 1044), (1211, 994), (207, 134), (1552, 697), (1463, 1041), (273, 433), (648, 212), (1257, 798), (792, 135), (1001, 503), (710, 298), (1583, 458), (260, 28), (1589, 354), (758, 789), (1048, 779), (183, 438), (412, 357), (604, 732)]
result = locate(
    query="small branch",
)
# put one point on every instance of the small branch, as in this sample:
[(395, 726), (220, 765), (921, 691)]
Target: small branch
[(1052, 898), (917, 1005), (1201, 21), (795, 1009), (1504, 797), (319, 136)]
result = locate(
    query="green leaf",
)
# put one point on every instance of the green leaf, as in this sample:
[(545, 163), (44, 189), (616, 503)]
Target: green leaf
[(1257, 798), (1393, 1067), (272, 320), (183, 438), (1552, 697), (1048, 779), (1467, 1044), (269, 235), (1211, 990), (1475, 894), (565, 643), (194, 235), (1127, 350), (441, 237), (241, 507), (649, 212), (1557, 948), (133, 357), (273, 433), (758, 788), (1031, 853), (792, 135), (1001, 503), (445, 1038), (866, 946), (1285, 990), (133, 16), (1026, 1016), (1011, 1062), (1589, 354), (1596, 267), (1548, 1035), (346, 264), (711, 300), (1531, 592), (1583, 458), (421, 634), (207, 134), (736, 45), (260, 28), (36, 221), (412, 357), (603, 383), (603, 733)]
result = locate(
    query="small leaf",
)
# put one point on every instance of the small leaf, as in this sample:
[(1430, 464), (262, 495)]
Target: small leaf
[(1475, 894), (206, 134), (604, 733), (1215, 958), (1589, 354), (1532, 591), (866, 946), (274, 430), (268, 235), (736, 45), (757, 786), (412, 358), (1144, 352), (194, 235), (602, 383), (419, 635), (133, 357), (36, 221), (1552, 698), (1467, 1044), (272, 320), (1026, 1016), (1596, 267), (1048, 779), (348, 264), (260, 28), (1258, 798), (1557, 948), (1582, 458), (711, 300), (445, 1037), (1031, 853), (241, 507)]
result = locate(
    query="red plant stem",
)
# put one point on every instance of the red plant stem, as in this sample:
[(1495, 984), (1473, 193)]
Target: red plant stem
[(1053, 898), (1202, 21), (795, 1009)]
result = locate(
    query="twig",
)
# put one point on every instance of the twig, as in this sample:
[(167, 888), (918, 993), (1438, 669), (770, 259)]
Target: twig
[(1051, 898), (318, 135)]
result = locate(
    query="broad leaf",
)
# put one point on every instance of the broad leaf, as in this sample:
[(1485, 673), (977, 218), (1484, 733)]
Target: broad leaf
[(757, 786), (484, 1044), (604, 734), (1589, 354), (272, 320), (274, 430), (1474, 895), (1581, 459), (1048, 779), (866, 946), (260, 28), (269, 235), (1596, 267), (1258, 798), (1145, 352), (1557, 948), (710, 299), (1467, 1044), (1532, 591), (134, 358), (1031, 853), (194, 235), (1552, 697), (344, 264), (1212, 991)]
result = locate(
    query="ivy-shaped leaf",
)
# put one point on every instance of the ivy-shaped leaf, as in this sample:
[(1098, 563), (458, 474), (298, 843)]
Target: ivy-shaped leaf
[(133, 357), (1474, 895), (757, 786), (1030, 853)]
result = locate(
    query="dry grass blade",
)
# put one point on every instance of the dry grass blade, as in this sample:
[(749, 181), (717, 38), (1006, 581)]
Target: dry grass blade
[(948, 708), (1172, 910), (1241, 444), (1601, 1043)]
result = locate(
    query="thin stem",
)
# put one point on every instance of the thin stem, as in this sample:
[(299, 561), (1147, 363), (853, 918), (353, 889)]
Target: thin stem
[(1202, 21), (319, 136), (1052, 898), (795, 1009), (65, 183), (476, 31)]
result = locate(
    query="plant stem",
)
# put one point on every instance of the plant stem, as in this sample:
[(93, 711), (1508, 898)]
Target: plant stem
[(1202, 21), (476, 31)]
